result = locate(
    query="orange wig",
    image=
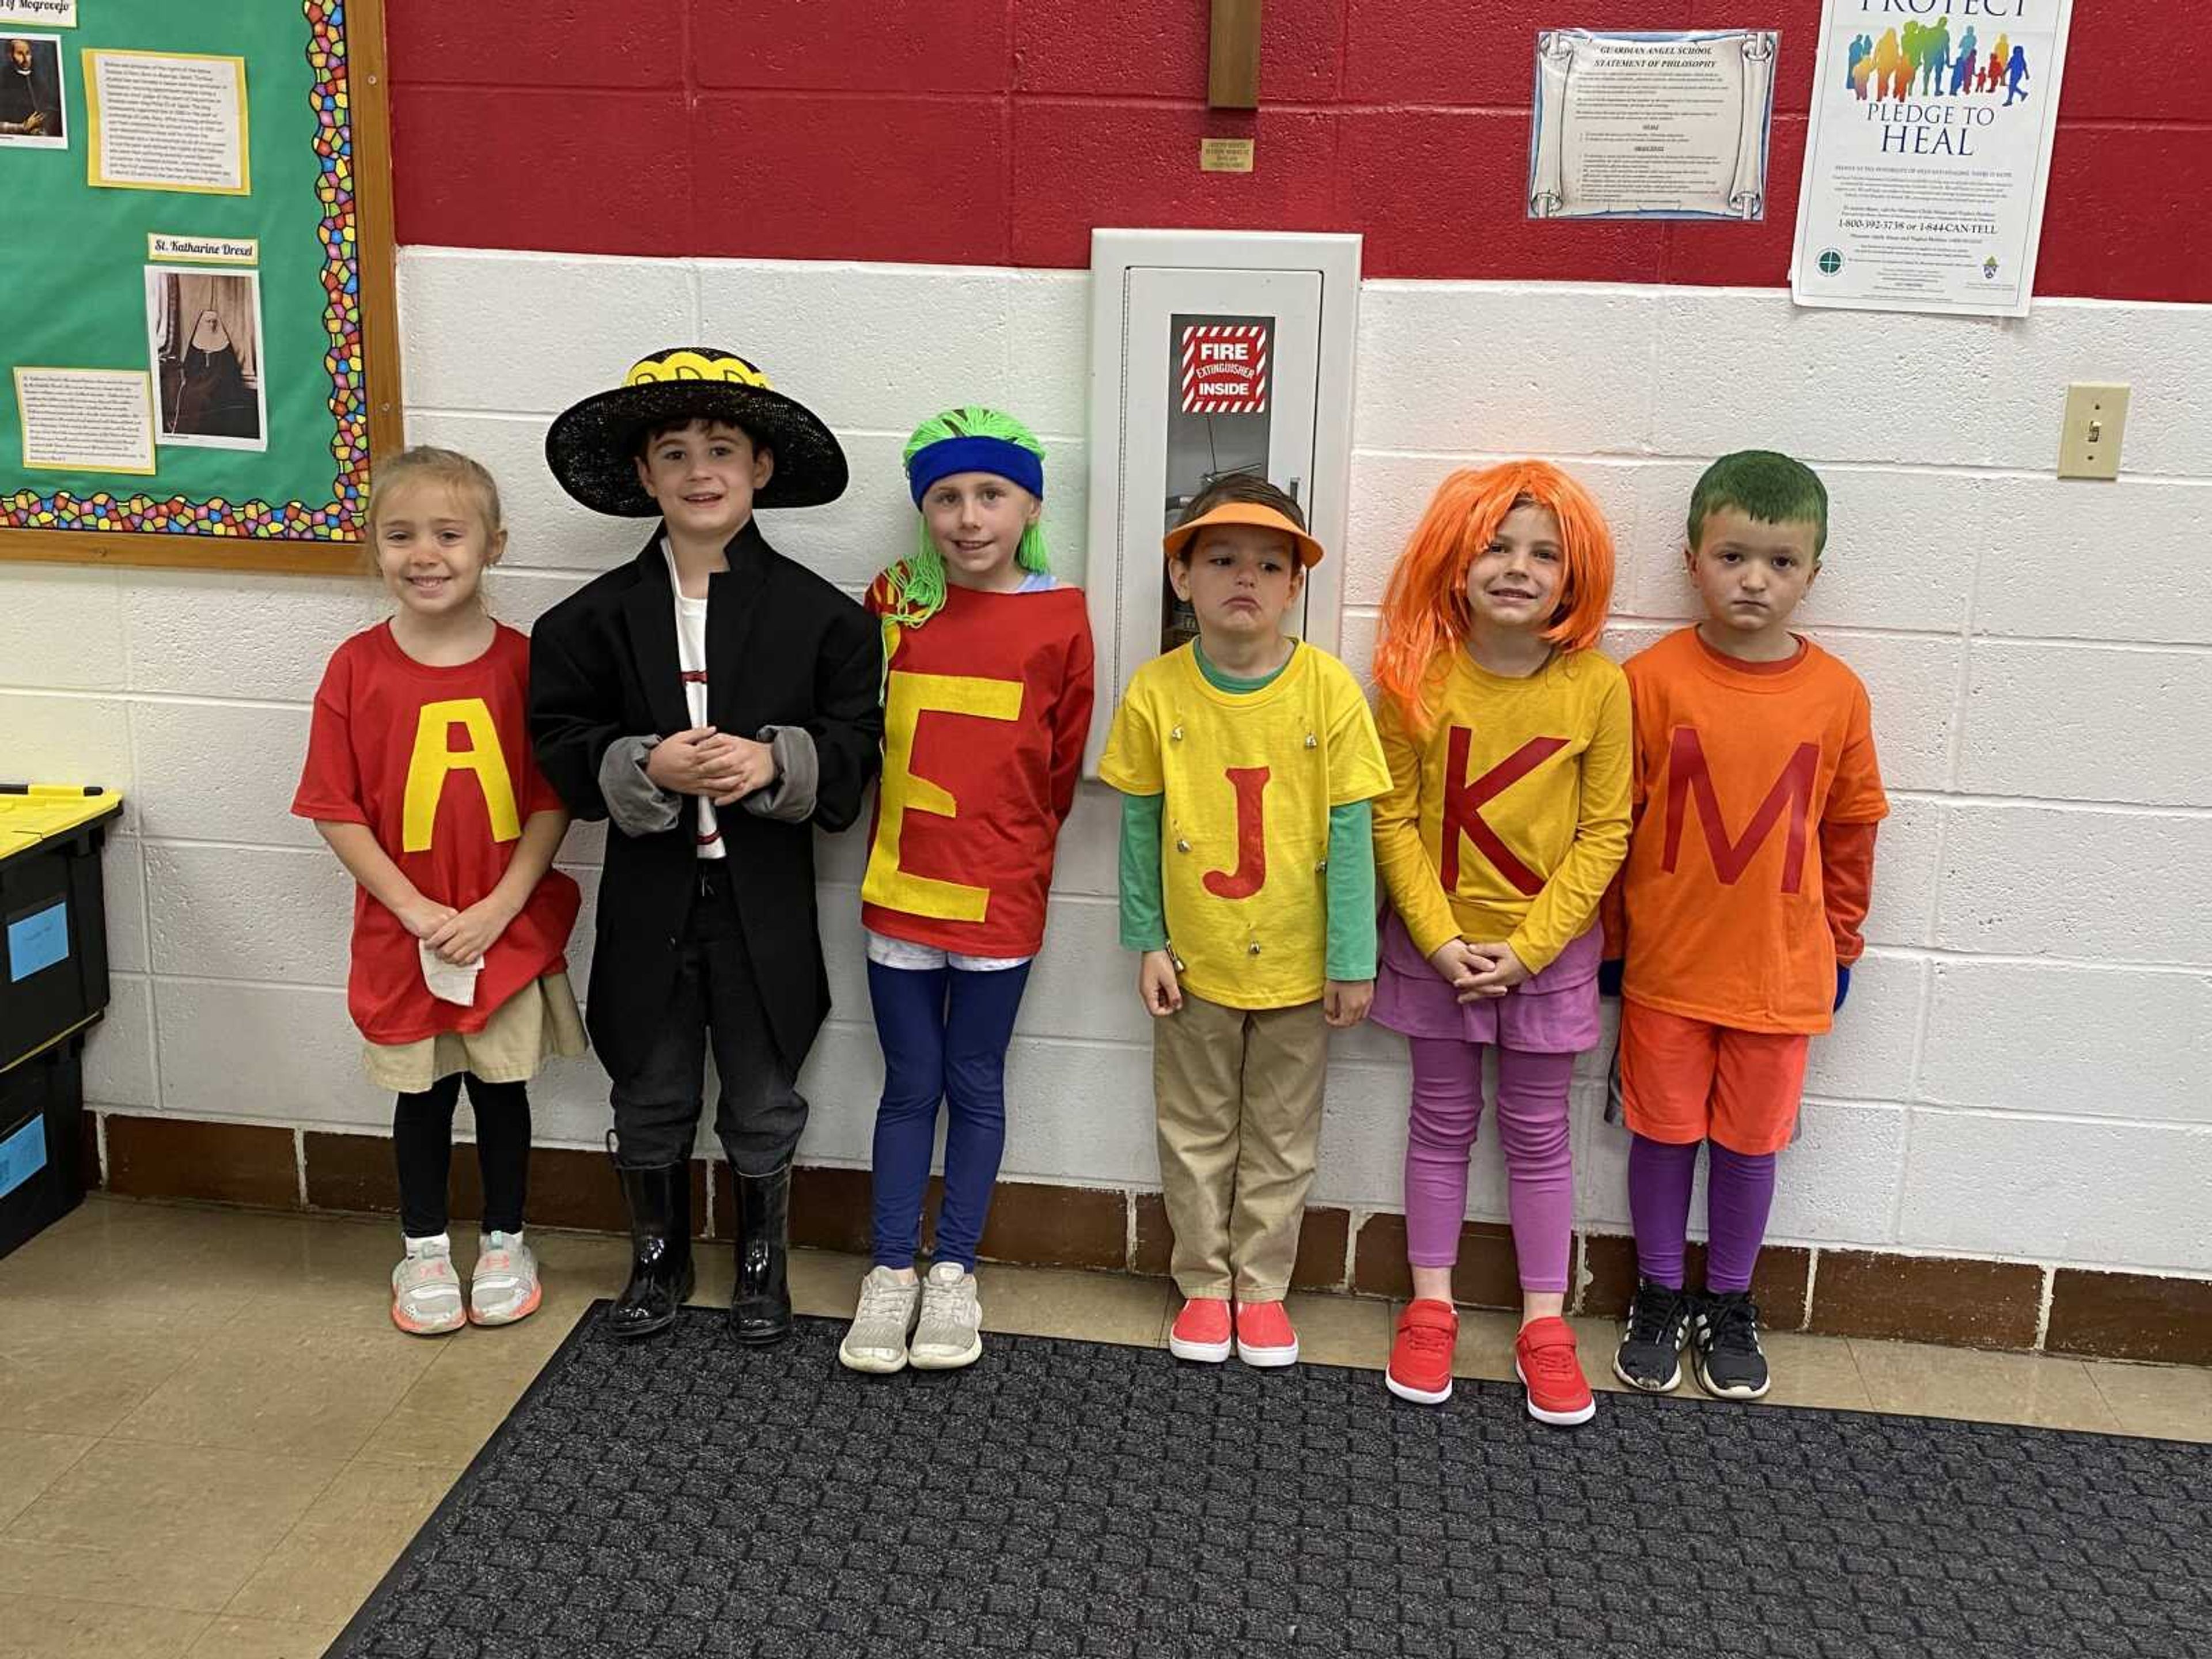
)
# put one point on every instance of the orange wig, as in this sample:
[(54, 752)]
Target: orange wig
[(1425, 610)]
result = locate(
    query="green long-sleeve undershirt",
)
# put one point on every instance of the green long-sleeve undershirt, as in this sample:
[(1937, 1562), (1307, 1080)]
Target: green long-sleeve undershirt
[(1349, 886)]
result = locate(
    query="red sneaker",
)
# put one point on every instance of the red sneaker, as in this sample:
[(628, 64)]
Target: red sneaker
[(1421, 1358), (1201, 1330), (1264, 1336), (1544, 1358)]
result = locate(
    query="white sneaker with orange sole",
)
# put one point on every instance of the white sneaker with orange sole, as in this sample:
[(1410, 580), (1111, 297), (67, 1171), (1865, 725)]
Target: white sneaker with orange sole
[(426, 1292), (504, 1287)]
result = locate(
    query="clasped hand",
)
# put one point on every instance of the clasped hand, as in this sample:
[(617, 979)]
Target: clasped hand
[(722, 766), (1478, 970), (459, 937)]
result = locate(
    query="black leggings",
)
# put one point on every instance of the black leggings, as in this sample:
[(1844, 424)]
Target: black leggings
[(423, 1141)]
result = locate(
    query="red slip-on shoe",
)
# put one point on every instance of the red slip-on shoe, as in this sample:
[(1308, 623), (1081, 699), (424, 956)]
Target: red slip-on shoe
[(1264, 1336), (1201, 1331), (1421, 1358), (1544, 1358)]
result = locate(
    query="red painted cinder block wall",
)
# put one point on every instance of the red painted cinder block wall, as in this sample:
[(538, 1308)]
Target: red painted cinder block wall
[(999, 132)]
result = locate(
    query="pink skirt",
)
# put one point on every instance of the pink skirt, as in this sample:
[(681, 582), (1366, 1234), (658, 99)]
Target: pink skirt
[(1552, 1013)]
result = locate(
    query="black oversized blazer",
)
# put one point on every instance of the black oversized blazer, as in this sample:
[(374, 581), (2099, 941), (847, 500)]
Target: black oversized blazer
[(784, 647)]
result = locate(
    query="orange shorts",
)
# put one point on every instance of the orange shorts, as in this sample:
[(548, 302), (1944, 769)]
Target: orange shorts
[(1685, 1080)]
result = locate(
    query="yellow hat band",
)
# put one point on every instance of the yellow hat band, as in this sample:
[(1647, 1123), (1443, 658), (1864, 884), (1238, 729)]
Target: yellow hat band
[(694, 366)]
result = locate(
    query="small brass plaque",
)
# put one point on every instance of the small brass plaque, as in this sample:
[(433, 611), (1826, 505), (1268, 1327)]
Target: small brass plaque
[(1224, 155)]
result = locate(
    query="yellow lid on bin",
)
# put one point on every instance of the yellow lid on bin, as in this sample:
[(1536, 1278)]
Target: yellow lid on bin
[(31, 812)]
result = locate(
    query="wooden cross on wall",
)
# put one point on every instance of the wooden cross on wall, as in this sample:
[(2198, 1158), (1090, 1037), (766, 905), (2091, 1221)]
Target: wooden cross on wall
[(1232, 80)]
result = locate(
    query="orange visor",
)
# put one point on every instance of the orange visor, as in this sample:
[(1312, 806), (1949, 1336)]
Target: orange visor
[(1265, 518)]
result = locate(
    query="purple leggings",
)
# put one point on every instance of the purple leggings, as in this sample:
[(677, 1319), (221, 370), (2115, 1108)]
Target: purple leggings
[(1738, 1195), (1532, 1125)]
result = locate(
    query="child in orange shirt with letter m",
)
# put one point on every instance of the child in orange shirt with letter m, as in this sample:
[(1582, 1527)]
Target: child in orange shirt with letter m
[(1749, 869)]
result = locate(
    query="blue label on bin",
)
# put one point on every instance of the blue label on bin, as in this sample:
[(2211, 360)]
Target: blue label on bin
[(38, 940), (23, 1155)]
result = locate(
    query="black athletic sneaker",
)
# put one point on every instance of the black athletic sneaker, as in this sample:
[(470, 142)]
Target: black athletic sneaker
[(1731, 1365), (1649, 1357)]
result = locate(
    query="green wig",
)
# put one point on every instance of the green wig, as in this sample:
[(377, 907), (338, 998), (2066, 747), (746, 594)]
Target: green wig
[(1771, 488), (914, 587)]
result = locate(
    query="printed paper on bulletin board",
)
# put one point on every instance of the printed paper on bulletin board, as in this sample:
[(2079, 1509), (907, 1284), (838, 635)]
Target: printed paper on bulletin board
[(196, 272)]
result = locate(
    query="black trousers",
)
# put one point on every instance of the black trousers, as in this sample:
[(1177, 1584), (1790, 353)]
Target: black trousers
[(716, 1000), (423, 1141)]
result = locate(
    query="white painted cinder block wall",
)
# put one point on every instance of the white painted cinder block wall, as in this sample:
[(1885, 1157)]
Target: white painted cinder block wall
[(2024, 1069)]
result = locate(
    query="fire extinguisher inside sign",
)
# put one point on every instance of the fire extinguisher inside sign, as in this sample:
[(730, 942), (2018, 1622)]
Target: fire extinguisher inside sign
[(1225, 369)]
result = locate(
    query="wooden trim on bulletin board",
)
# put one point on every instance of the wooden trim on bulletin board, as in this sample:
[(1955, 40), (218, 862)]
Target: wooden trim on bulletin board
[(369, 111), (380, 284)]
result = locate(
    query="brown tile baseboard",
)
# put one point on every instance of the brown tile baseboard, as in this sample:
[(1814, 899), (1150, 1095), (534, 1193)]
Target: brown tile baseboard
[(1324, 1241), (251, 1163), (1923, 1299), (1962, 1301), (2130, 1316)]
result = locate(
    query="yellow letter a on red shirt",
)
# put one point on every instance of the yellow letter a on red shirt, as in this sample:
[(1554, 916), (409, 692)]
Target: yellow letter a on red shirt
[(428, 766)]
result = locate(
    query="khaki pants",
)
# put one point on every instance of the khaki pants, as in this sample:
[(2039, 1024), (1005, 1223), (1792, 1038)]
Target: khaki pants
[(1238, 1092)]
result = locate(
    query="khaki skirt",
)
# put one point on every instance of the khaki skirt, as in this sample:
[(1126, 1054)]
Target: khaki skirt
[(530, 1028)]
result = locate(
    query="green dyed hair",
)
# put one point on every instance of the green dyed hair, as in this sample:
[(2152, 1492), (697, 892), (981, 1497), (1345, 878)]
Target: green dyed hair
[(916, 583), (1771, 488)]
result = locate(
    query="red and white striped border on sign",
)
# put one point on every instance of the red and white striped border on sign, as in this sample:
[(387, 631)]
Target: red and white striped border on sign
[(1256, 403)]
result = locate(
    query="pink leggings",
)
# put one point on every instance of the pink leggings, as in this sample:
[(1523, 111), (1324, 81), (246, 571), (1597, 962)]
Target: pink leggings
[(1532, 1124)]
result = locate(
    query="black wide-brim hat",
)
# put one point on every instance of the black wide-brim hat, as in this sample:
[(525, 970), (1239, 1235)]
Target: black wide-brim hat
[(592, 448)]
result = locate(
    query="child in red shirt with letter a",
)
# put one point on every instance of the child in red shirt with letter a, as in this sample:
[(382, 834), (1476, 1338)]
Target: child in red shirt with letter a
[(1748, 873), (420, 776)]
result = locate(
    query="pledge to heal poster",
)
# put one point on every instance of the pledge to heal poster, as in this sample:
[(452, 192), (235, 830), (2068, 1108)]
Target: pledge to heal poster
[(1928, 154)]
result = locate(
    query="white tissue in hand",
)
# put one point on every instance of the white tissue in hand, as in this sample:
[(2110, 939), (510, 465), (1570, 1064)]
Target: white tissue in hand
[(449, 981)]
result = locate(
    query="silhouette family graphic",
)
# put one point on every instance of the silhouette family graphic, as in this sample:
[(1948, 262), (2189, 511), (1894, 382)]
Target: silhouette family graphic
[(1920, 60)]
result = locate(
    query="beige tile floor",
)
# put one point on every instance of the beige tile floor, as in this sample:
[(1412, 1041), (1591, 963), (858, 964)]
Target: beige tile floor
[(212, 1442)]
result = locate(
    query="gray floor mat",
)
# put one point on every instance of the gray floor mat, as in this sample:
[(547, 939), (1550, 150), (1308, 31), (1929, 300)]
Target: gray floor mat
[(686, 1497)]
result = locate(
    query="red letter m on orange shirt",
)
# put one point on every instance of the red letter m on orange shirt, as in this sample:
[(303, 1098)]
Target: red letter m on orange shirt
[(1688, 776)]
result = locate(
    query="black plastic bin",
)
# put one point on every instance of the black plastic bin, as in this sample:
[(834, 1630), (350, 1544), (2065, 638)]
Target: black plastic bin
[(53, 913), (41, 1139)]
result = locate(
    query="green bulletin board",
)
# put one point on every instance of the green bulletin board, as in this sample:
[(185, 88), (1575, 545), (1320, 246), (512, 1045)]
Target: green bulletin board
[(198, 348)]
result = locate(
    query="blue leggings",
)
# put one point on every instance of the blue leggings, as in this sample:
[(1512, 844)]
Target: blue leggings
[(943, 1032)]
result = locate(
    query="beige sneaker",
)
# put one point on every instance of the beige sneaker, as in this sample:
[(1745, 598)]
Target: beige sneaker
[(426, 1292), (949, 1334), (877, 1341), (504, 1287)]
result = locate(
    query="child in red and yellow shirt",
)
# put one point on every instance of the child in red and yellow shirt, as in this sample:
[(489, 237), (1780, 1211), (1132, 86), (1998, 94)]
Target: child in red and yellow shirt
[(1749, 870), (986, 705), (420, 775)]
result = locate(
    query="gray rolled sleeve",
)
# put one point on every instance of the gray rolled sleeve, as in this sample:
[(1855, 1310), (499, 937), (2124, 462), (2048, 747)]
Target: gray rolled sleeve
[(791, 798), (637, 806)]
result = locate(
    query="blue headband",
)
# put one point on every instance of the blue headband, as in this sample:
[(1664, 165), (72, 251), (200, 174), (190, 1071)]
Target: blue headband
[(949, 455)]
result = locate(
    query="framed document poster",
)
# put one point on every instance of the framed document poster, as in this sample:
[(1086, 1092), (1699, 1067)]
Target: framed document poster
[(198, 348), (1650, 125)]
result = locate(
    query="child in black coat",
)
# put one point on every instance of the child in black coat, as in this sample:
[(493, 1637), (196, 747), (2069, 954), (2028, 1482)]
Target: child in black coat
[(715, 701)]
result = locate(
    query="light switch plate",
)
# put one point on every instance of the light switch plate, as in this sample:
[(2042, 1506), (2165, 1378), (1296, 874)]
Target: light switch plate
[(2089, 445)]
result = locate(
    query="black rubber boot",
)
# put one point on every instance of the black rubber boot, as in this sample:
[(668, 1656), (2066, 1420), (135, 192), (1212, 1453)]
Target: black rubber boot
[(660, 1273), (760, 1309)]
